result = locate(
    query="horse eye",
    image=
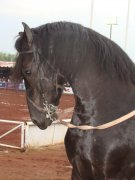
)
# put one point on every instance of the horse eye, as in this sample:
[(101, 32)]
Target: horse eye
[(27, 72)]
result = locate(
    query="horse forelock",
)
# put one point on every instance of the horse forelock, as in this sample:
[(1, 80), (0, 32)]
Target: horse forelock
[(17, 70)]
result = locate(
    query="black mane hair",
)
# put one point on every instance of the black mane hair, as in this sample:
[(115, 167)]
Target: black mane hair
[(110, 57)]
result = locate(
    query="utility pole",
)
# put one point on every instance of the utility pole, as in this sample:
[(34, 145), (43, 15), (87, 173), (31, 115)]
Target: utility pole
[(91, 13), (127, 24), (111, 21)]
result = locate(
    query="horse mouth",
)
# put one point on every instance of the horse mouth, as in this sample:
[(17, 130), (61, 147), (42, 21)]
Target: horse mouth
[(42, 124)]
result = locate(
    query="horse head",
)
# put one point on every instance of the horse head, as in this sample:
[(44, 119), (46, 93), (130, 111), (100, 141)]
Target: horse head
[(44, 84)]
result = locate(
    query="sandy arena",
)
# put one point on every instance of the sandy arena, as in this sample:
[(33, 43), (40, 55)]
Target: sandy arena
[(48, 163)]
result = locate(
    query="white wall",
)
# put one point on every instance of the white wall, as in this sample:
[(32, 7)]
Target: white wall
[(35, 137)]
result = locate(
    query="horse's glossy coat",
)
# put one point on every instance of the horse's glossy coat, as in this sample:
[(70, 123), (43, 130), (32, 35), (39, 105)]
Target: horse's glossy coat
[(102, 77)]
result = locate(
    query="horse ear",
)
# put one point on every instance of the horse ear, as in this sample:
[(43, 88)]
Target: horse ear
[(28, 32)]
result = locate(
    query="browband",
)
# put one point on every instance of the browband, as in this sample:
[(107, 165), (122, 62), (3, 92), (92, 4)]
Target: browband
[(26, 52)]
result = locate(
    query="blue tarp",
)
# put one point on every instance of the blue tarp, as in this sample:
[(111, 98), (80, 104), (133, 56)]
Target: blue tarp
[(9, 85), (2, 85)]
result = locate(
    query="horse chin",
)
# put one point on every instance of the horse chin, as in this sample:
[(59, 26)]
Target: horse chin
[(42, 124)]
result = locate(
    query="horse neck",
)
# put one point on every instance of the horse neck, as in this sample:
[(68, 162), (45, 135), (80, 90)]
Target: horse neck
[(100, 99)]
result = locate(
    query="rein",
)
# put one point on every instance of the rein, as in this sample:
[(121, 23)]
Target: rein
[(103, 126)]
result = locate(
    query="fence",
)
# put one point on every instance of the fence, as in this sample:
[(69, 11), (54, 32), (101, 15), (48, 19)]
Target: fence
[(17, 124), (9, 85), (33, 137), (21, 86)]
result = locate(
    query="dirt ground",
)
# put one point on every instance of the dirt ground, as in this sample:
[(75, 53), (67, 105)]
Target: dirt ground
[(13, 105), (48, 163)]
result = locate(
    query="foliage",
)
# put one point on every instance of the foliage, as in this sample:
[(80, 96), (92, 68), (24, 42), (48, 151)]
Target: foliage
[(7, 57)]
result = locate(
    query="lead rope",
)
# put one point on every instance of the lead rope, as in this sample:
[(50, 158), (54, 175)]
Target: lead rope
[(103, 126), (51, 109)]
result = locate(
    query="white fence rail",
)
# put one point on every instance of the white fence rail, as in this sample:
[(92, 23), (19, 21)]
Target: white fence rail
[(18, 124), (33, 137)]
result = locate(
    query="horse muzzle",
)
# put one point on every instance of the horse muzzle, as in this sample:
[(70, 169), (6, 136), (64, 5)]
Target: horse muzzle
[(42, 116), (42, 124)]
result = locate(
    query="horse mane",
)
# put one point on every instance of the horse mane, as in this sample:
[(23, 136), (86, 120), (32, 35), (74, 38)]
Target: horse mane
[(110, 57)]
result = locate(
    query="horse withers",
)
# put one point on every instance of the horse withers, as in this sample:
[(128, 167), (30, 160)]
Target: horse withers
[(102, 78)]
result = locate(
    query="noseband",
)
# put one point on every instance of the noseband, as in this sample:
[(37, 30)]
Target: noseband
[(50, 110), (26, 52)]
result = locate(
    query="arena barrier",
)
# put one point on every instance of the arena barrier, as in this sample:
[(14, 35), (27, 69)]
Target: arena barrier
[(54, 134), (10, 85), (21, 86), (18, 125), (33, 137)]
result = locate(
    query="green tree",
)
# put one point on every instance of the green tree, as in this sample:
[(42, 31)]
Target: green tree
[(7, 57)]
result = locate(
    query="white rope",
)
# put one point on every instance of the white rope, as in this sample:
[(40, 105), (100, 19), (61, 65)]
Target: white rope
[(103, 126)]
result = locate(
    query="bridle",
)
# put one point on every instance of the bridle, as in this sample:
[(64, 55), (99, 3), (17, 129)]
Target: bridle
[(49, 109), (26, 52)]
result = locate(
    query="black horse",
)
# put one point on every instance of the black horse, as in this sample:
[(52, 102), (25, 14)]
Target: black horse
[(102, 77)]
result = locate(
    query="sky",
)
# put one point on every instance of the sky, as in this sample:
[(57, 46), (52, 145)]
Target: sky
[(38, 12), (35, 13)]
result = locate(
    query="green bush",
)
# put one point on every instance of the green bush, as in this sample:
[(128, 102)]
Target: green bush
[(7, 57)]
